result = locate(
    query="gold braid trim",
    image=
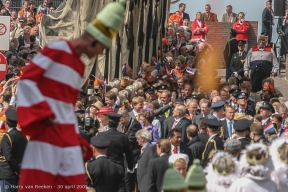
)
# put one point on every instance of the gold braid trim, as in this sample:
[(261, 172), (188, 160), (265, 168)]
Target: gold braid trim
[(212, 140), (9, 139), (88, 174)]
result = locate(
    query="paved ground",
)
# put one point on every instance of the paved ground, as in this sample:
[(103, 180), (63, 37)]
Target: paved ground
[(280, 82)]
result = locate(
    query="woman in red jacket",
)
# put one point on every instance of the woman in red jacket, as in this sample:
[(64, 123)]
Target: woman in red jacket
[(199, 28)]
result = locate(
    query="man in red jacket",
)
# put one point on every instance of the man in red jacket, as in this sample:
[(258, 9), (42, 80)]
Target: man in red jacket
[(199, 28), (242, 27)]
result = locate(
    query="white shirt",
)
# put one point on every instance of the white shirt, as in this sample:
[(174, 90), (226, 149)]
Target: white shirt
[(264, 120), (135, 113), (212, 136), (172, 147), (177, 120), (100, 156)]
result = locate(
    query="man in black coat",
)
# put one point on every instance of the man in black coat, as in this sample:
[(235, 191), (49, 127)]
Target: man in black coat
[(148, 152), (158, 166), (177, 146), (231, 47), (119, 145), (11, 153), (130, 126), (214, 143), (267, 20), (102, 173), (196, 146), (237, 61), (242, 128), (178, 120)]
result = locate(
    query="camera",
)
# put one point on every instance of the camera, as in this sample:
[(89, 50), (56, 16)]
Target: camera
[(88, 123)]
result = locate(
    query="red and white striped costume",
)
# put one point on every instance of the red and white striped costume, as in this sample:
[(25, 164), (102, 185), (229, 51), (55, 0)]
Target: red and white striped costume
[(49, 88)]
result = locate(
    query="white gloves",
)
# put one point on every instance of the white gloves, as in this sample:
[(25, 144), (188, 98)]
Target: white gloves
[(130, 171), (235, 74)]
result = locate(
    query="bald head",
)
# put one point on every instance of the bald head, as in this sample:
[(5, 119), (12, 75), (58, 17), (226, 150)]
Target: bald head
[(192, 131)]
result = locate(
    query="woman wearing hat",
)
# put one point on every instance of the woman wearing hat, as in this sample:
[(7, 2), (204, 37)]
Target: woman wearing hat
[(94, 108), (103, 118)]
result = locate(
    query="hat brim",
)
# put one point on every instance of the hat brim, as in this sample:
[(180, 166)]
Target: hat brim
[(98, 35)]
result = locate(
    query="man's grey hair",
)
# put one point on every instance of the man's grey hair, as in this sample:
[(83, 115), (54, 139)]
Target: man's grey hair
[(124, 113), (144, 134)]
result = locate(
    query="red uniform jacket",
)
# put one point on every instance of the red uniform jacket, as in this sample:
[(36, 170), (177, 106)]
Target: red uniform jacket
[(203, 30), (242, 30)]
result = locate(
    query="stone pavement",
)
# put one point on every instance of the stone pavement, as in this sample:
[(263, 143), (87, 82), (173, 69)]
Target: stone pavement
[(281, 83)]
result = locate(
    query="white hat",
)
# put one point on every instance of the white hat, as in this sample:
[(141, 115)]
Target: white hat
[(174, 157)]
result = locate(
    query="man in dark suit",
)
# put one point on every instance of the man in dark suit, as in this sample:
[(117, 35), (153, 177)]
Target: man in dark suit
[(267, 20), (231, 47), (228, 123), (119, 145), (110, 100), (242, 128), (237, 61), (178, 120), (175, 137), (214, 142), (130, 126), (203, 136), (101, 171), (182, 8), (148, 152), (196, 146), (11, 153), (158, 166)]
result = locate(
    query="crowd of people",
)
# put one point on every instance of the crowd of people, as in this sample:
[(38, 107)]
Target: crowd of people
[(175, 127)]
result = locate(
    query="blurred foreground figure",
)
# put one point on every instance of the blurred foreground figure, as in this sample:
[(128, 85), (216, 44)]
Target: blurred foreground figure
[(47, 93)]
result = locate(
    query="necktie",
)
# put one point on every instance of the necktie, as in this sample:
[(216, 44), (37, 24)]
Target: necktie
[(230, 128), (142, 150), (166, 114), (175, 150), (174, 124)]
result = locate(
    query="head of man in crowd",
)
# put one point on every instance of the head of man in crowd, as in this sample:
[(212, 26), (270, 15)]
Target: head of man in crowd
[(137, 103), (233, 147), (179, 111), (205, 107), (282, 110), (192, 107), (266, 110), (110, 98), (229, 9), (188, 89), (277, 120), (163, 147), (181, 82), (7, 4), (143, 136), (165, 97), (225, 96), (182, 7), (175, 136), (192, 131), (229, 112), (208, 8), (214, 93), (261, 41), (269, 4), (257, 131)]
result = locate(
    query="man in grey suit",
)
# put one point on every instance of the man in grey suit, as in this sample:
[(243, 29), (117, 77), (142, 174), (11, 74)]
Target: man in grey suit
[(229, 16), (177, 120), (148, 152)]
